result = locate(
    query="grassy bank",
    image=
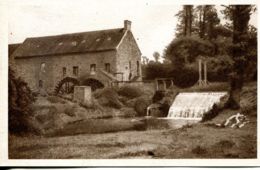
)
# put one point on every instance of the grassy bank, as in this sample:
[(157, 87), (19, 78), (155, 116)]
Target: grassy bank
[(201, 140)]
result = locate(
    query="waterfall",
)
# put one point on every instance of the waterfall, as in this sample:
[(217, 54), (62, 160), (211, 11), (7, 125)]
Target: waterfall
[(192, 105)]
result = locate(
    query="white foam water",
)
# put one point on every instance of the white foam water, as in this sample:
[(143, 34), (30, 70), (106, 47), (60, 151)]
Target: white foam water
[(192, 105)]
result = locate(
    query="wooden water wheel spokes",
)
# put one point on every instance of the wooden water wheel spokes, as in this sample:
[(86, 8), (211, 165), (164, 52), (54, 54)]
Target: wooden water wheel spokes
[(66, 86)]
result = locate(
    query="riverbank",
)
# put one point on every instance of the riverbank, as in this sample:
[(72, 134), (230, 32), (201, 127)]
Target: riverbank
[(195, 141), (201, 140)]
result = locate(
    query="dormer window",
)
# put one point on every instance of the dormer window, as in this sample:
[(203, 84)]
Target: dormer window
[(74, 43)]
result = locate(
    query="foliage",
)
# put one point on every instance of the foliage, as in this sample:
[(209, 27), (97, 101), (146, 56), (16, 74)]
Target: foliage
[(156, 70), (19, 101), (184, 78), (156, 56), (141, 105), (219, 67), (159, 95), (184, 50), (240, 16), (55, 99), (108, 97), (130, 91), (185, 18)]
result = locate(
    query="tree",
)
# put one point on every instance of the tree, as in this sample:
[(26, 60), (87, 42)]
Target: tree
[(19, 100), (157, 70), (208, 20), (156, 56), (185, 18), (240, 16), (183, 51)]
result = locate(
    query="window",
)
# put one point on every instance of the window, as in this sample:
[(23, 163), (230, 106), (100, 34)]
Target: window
[(43, 67), (107, 67), (138, 68), (64, 71), (75, 70), (40, 83), (92, 69)]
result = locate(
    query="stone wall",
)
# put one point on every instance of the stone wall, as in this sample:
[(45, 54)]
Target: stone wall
[(128, 51), (82, 94), (30, 68)]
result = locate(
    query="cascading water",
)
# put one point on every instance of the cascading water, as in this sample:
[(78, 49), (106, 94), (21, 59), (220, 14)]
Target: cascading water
[(193, 105)]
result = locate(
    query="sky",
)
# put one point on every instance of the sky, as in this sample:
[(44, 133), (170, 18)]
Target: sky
[(153, 21)]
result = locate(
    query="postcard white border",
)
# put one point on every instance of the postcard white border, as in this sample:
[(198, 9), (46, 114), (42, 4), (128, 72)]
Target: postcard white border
[(4, 161)]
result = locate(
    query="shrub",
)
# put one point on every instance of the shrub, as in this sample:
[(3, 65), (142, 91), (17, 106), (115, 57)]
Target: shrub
[(248, 101), (19, 100), (159, 95), (69, 110), (108, 97), (186, 77), (141, 105), (55, 99), (128, 112), (130, 91)]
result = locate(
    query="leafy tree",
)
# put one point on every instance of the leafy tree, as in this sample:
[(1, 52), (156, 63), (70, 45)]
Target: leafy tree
[(157, 70), (183, 51), (185, 18), (20, 98), (240, 16), (156, 56)]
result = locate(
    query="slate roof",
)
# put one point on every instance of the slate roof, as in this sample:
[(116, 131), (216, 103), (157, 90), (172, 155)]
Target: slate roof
[(93, 41), (12, 48)]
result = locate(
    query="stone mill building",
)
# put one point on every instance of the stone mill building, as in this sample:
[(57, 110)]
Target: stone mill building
[(96, 58)]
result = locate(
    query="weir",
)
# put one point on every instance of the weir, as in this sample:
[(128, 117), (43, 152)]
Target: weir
[(192, 105)]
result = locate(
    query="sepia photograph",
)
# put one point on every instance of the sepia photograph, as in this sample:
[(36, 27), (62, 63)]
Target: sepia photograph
[(131, 80)]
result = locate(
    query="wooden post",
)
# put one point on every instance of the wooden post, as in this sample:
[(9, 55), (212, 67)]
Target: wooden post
[(200, 76), (156, 85), (171, 83), (164, 84), (205, 73)]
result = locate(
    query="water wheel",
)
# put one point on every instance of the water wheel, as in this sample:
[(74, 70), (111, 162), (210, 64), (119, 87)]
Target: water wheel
[(66, 86)]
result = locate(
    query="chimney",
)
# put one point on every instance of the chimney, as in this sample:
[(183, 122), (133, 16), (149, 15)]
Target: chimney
[(127, 25)]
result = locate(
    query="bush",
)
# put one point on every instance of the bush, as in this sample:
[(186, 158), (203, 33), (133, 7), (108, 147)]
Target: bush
[(130, 91), (108, 97), (159, 95), (141, 105), (128, 112), (19, 100), (69, 110), (248, 101), (55, 99), (184, 78)]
